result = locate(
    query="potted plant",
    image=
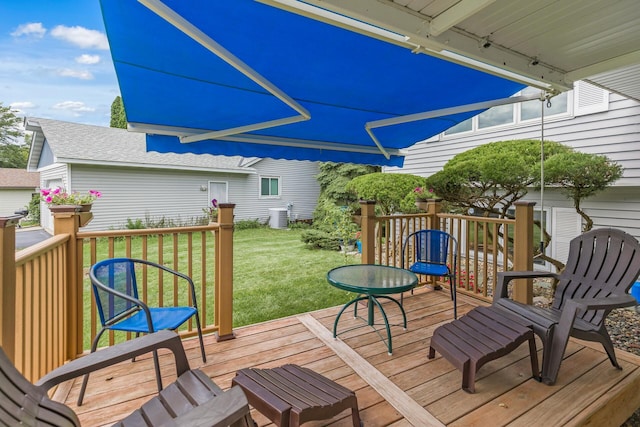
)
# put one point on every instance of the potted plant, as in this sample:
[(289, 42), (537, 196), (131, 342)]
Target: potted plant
[(212, 211), (60, 200), (422, 194)]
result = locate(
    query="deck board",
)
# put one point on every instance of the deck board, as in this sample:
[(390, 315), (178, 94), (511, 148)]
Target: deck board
[(589, 391)]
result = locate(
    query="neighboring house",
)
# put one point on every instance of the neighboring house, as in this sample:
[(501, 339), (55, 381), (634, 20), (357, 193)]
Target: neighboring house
[(137, 184), (17, 187), (588, 119)]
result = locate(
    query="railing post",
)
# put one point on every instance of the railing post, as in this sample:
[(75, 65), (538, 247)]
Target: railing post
[(368, 231), (66, 220), (523, 251), (223, 305), (434, 207), (8, 284)]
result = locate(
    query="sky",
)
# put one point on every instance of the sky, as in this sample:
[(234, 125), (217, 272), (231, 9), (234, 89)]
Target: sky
[(55, 61)]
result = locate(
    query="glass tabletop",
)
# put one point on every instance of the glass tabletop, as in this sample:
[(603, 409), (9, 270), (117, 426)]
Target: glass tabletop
[(372, 279)]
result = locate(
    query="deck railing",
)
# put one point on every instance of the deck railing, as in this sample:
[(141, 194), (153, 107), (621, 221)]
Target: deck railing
[(485, 247), (47, 311), (40, 307)]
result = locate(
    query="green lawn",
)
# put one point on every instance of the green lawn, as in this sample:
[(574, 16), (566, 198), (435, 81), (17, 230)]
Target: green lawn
[(276, 275)]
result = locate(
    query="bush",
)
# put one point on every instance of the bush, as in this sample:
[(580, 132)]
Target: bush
[(247, 224), (34, 209), (389, 190), (318, 239)]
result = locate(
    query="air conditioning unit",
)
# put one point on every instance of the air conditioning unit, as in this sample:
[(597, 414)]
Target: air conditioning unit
[(277, 218)]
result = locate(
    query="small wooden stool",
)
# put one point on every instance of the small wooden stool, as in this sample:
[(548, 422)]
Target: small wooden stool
[(482, 335), (291, 395)]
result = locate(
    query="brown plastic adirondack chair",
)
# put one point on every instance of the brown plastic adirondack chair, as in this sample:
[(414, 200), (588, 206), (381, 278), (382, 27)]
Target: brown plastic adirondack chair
[(192, 400), (603, 264)]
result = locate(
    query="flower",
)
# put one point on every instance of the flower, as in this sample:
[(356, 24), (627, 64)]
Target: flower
[(59, 196), (423, 193), (212, 211), (90, 197)]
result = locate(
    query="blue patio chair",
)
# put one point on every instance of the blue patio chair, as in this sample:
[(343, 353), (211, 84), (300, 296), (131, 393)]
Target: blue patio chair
[(115, 289), (426, 251)]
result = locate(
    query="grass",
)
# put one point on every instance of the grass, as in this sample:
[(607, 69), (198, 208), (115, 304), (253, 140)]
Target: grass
[(275, 275)]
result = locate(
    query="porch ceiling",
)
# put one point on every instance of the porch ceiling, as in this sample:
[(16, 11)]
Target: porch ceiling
[(554, 42)]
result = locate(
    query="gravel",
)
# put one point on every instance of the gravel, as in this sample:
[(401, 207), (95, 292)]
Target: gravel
[(623, 326)]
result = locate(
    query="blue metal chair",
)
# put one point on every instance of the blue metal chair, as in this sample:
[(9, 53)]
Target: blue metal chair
[(426, 252), (115, 288)]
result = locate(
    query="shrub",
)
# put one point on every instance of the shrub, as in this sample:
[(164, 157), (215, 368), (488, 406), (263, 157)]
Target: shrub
[(247, 224), (318, 239)]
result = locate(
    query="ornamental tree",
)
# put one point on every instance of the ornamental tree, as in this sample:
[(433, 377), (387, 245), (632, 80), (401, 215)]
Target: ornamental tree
[(581, 175), (490, 178)]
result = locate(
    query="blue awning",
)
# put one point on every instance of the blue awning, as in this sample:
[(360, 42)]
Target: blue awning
[(244, 78)]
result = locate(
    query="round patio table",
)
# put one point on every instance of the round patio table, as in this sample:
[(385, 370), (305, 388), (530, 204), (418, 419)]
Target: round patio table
[(372, 282)]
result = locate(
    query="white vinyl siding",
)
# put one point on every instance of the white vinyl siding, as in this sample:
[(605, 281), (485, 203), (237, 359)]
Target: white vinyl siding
[(298, 189), (173, 194)]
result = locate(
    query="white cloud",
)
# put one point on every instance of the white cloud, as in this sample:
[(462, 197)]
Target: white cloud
[(80, 36), (76, 106), (88, 59), (22, 105), (34, 29), (78, 74)]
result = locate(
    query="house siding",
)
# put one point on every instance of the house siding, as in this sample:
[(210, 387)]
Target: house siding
[(129, 193), (298, 186), (12, 200)]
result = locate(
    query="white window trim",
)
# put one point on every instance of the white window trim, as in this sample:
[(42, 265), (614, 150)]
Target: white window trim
[(260, 195)]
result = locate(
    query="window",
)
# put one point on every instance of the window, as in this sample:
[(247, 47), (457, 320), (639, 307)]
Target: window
[(465, 126), (531, 109), (500, 115), (515, 114), (269, 186)]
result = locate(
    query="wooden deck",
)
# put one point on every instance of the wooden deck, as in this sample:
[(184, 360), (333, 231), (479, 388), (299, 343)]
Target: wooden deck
[(399, 390)]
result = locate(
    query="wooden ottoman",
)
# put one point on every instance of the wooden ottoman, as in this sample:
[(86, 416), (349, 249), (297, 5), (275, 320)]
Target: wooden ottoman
[(291, 395), (483, 334)]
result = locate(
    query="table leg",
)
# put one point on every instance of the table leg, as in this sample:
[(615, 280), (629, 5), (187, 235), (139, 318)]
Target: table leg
[(372, 298), (353, 301), (404, 315)]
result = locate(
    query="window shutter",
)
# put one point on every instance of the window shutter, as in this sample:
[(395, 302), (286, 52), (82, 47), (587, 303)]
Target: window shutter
[(590, 99)]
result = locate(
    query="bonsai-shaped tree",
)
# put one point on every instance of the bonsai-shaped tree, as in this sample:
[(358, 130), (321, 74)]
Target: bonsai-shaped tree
[(581, 175), (490, 178)]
